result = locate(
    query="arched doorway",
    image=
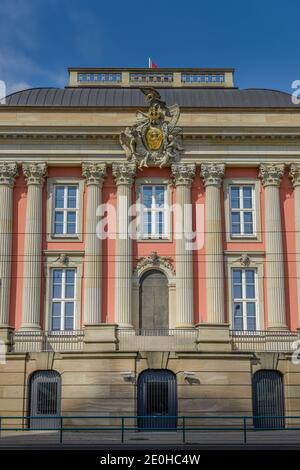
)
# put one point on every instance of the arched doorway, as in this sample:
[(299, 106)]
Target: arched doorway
[(268, 399), (154, 301), (157, 400), (44, 399)]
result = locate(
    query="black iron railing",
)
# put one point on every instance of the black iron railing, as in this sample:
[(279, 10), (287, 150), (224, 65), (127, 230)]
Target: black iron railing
[(241, 427)]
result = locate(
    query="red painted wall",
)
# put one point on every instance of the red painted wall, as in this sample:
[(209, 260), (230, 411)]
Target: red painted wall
[(166, 248)]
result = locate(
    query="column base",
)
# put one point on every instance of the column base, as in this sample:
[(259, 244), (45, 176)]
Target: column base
[(125, 325), (100, 337), (185, 325), (278, 327), (30, 327)]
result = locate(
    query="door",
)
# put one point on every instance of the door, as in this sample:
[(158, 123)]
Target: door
[(268, 399), (154, 302), (44, 397), (157, 400)]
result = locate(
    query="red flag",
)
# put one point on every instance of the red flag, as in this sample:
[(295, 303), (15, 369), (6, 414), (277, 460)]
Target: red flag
[(152, 65)]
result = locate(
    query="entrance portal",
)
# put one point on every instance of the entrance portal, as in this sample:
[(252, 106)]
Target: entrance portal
[(268, 399), (44, 396), (157, 400), (154, 301)]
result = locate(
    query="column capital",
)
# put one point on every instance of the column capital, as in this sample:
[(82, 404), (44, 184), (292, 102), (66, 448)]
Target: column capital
[(183, 174), (8, 173), (212, 173), (295, 174), (271, 173), (124, 173), (35, 173), (94, 173)]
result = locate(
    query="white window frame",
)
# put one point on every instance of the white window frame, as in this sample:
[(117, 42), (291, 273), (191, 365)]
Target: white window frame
[(233, 261), (154, 211), (52, 261), (241, 210), (63, 299), (166, 235), (52, 183), (244, 299), (65, 210), (239, 182)]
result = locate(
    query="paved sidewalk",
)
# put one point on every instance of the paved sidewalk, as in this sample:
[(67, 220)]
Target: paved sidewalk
[(141, 440)]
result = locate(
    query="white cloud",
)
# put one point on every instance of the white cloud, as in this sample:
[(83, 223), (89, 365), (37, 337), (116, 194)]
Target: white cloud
[(18, 40), (29, 35)]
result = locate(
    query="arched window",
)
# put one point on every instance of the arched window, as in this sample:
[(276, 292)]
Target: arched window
[(44, 399), (154, 301), (157, 399), (268, 399)]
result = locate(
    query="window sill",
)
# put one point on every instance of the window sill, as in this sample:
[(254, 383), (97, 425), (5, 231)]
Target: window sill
[(154, 240), (67, 238), (243, 238)]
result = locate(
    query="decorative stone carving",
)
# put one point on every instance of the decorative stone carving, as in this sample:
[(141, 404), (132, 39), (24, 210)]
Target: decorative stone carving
[(123, 172), (245, 260), (156, 261), (8, 173), (271, 173), (94, 173), (295, 174), (63, 259), (155, 139), (35, 173), (212, 173), (183, 174)]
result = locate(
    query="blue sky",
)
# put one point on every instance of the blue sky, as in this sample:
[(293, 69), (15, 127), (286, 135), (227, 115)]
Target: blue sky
[(39, 39)]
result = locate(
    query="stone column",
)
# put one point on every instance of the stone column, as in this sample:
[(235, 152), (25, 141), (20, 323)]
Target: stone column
[(212, 174), (123, 174), (8, 173), (271, 176), (94, 174), (35, 174), (295, 177), (183, 176)]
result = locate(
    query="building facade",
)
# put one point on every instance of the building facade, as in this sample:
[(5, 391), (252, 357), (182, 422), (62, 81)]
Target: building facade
[(149, 241)]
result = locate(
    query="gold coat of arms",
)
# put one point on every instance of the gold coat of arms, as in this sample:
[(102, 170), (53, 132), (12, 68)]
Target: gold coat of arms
[(155, 140)]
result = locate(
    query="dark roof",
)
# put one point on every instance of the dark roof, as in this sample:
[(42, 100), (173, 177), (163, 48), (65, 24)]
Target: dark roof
[(132, 97)]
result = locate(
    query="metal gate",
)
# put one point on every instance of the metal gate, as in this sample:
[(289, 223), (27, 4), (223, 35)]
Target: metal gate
[(157, 400), (268, 400), (44, 399)]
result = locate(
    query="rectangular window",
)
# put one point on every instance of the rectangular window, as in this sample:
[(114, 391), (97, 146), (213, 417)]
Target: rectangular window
[(244, 295), (242, 211), (65, 210), (154, 211), (63, 299)]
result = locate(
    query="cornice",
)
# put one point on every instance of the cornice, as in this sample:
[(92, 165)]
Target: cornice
[(133, 109), (56, 252), (188, 135)]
